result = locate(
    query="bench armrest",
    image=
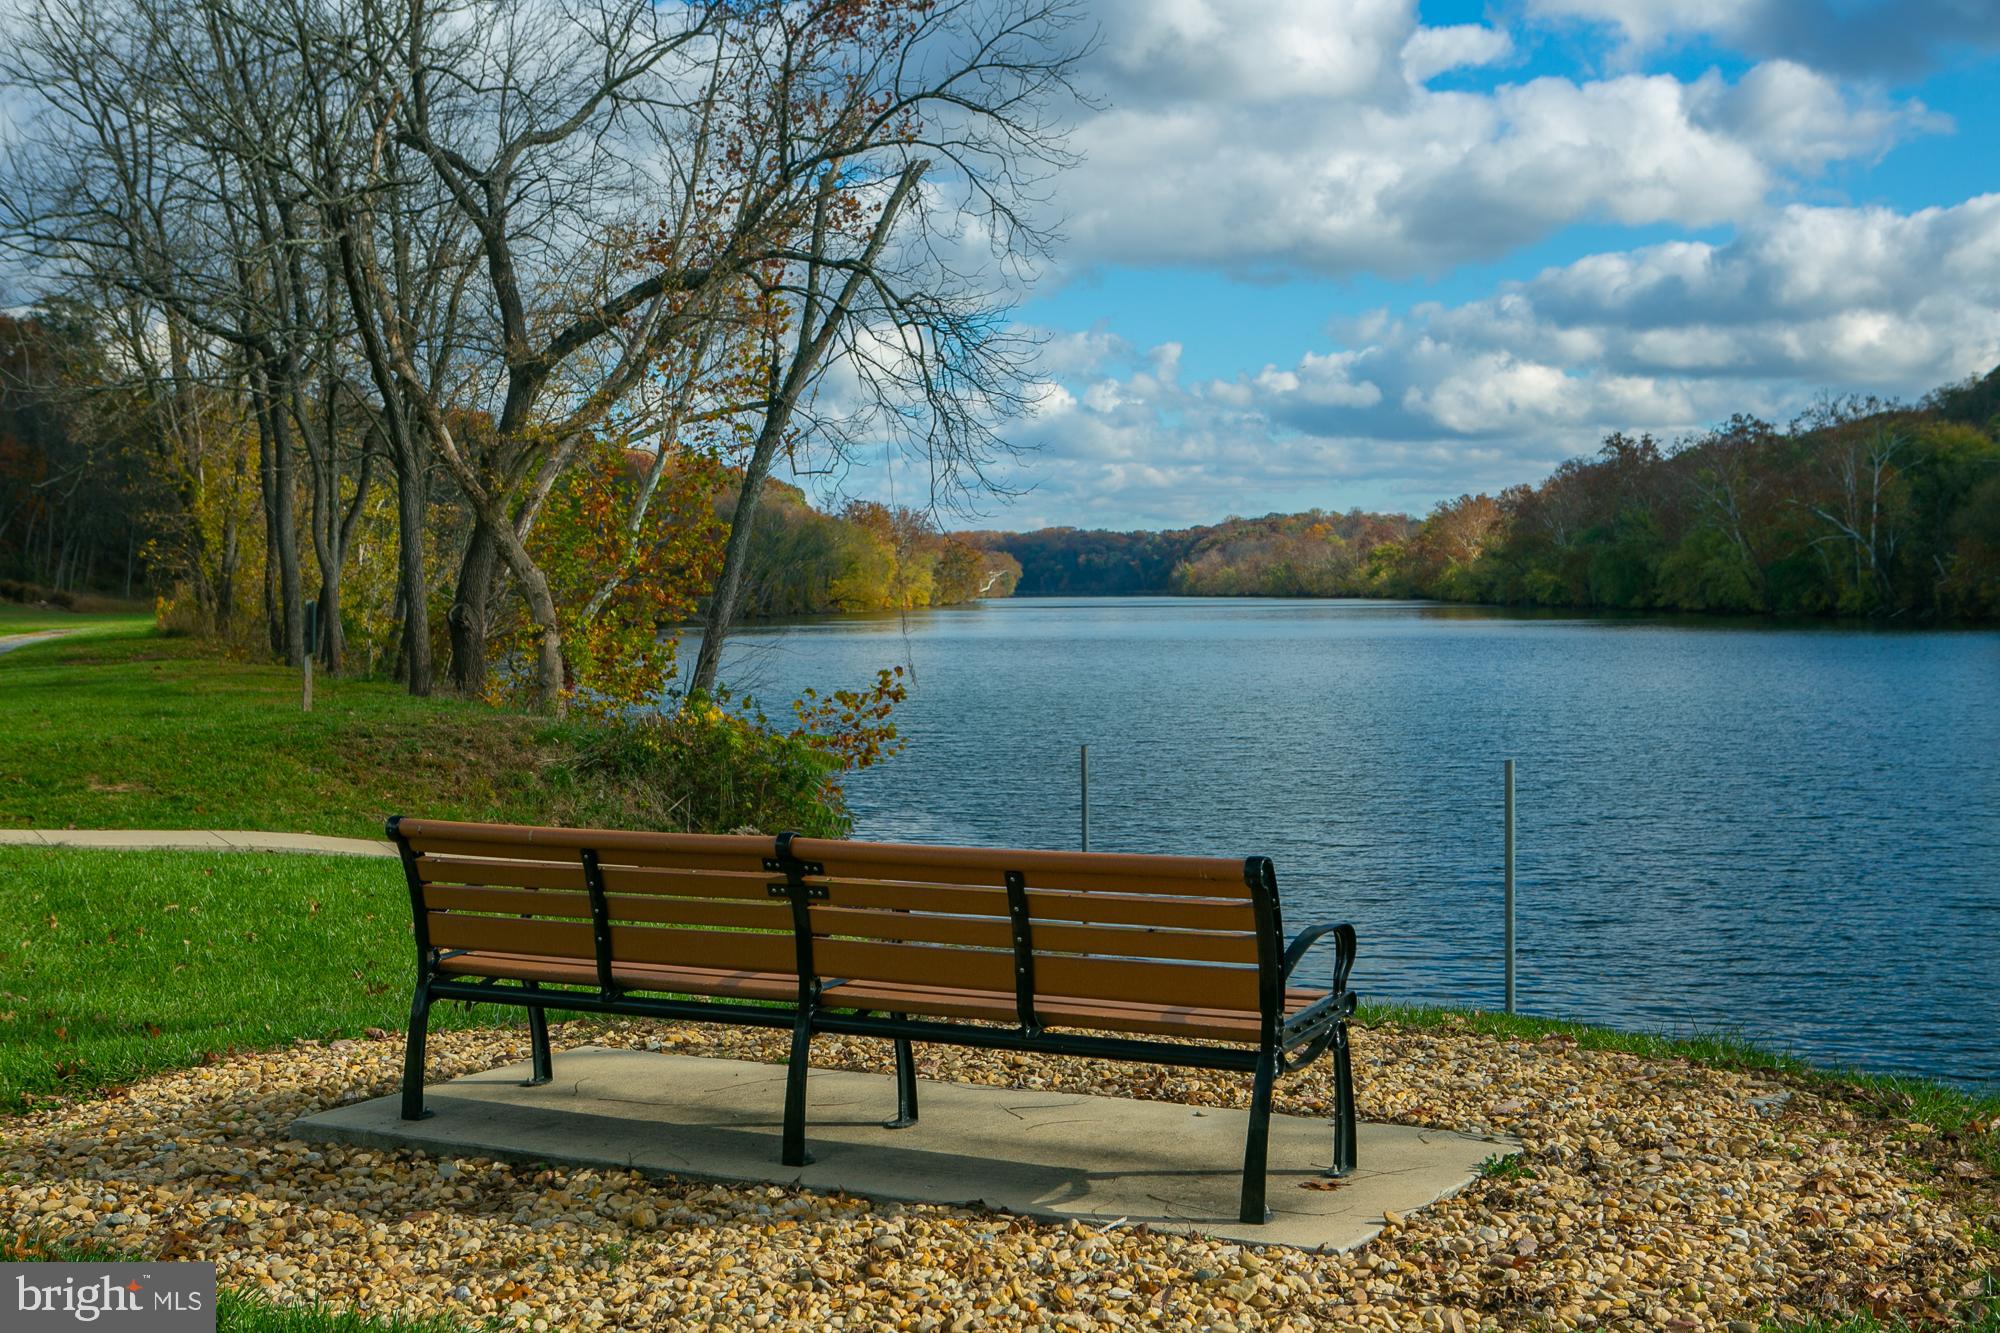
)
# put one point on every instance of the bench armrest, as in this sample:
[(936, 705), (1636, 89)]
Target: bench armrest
[(1343, 956)]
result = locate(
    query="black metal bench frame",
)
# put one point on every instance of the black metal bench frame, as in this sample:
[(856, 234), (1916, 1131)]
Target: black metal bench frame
[(1285, 1043)]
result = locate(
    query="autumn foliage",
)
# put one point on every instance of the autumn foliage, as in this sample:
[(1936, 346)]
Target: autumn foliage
[(1857, 508)]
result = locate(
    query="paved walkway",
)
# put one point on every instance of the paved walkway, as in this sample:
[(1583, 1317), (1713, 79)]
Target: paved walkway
[(226, 840), (9, 642)]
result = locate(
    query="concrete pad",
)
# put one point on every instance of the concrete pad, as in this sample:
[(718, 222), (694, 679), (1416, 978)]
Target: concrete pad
[(1045, 1154)]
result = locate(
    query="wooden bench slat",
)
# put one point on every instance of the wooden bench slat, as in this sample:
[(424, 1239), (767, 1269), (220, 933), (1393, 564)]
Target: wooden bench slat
[(1045, 904), (512, 902), (634, 976), (1106, 880), (686, 884), (1196, 985), (506, 934), (664, 858), (432, 869), (920, 964), (1145, 942), (680, 846), (1118, 910), (912, 927), (752, 950), (928, 861), (772, 915), (629, 944), (996, 933)]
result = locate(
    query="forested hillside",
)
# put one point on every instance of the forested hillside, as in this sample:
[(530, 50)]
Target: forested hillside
[(1314, 554), (866, 557), (1856, 508)]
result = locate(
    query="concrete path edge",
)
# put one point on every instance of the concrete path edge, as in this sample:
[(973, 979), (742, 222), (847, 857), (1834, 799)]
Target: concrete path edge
[(197, 840)]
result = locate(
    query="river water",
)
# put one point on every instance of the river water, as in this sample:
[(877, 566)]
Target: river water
[(1791, 833)]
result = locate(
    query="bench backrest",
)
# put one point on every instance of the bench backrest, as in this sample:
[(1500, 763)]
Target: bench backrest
[(1202, 932), (685, 899), (1095, 925)]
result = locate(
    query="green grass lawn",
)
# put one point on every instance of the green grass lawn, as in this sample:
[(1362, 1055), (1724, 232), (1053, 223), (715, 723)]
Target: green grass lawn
[(115, 965), (118, 727)]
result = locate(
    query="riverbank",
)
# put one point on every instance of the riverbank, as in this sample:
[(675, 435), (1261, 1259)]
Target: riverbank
[(114, 725)]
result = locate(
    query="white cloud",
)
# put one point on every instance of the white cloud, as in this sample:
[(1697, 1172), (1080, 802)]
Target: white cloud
[(1430, 52), (1302, 137), (1667, 338), (1250, 51)]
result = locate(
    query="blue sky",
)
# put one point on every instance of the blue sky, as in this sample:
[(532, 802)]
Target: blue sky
[(1377, 253)]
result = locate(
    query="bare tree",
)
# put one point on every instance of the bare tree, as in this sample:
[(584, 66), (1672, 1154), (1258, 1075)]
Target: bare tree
[(897, 133), (1862, 509), (470, 237)]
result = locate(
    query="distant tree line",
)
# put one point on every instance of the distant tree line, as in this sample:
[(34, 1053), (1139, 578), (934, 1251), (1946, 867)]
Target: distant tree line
[(1858, 508)]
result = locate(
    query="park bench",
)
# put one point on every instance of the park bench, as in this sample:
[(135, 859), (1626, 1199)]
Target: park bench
[(1174, 960)]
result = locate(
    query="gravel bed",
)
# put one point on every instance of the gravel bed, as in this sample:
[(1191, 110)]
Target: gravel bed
[(1653, 1193)]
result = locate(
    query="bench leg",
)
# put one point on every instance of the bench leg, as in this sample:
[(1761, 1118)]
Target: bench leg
[(1256, 1144), (1343, 1109), (795, 1153), (906, 1087), (413, 1056), (538, 1040)]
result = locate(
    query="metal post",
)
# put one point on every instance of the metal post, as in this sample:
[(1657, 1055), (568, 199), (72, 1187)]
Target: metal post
[(1084, 772), (1510, 886)]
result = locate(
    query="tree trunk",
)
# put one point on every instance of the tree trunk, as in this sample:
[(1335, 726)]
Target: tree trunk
[(267, 484), (721, 614), (550, 674), (288, 624), (467, 618), (414, 583), (326, 551)]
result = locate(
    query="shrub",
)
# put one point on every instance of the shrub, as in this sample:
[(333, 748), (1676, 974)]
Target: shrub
[(700, 769), (15, 590)]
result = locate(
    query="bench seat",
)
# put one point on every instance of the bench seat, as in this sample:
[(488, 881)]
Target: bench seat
[(1174, 960)]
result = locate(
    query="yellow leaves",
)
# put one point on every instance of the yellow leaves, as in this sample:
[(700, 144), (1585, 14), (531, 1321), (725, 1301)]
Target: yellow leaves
[(853, 725)]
